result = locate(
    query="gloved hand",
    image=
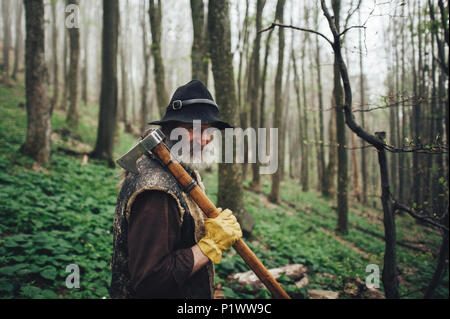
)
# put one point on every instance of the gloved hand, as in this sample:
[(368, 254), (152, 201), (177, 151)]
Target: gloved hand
[(220, 234)]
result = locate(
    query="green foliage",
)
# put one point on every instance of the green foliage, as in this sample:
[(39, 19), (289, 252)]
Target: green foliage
[(50, 219)]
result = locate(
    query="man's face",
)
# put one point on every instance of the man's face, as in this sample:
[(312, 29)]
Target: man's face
[(202, 139), (199, 156)]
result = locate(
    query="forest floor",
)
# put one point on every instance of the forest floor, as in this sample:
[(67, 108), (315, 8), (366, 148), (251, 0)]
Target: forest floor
[(62, 214)]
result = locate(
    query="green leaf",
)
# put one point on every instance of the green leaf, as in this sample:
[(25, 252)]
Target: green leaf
[(30, 291), (49, 294), (49, 272)]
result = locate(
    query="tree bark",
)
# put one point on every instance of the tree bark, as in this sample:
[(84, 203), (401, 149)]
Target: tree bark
[(222, 68), (55, 57), (37, 144), (320, 98), (199, 52), (85, 70), (74, 39), (364, 178), (155, 13), (19, 40), (278, 116), (262, 117), (6, 39), (341, 139), (389, 275), (305, 154), (124, 34), (144, 90), (108, 96), (254, 87)]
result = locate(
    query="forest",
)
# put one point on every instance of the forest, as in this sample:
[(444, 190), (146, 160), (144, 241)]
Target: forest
[(357, 90)]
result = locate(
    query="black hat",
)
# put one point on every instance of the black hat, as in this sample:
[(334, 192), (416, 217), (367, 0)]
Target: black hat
[(190, 102)]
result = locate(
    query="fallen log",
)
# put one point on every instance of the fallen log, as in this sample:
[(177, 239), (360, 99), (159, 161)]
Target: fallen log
[(293, 271)]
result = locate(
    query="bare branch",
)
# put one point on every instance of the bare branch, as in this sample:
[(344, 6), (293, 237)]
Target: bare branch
[(352, 27), (273, 25), (426, 218)]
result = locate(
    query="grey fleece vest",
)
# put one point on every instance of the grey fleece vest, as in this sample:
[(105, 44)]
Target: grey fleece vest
[(153, 176)]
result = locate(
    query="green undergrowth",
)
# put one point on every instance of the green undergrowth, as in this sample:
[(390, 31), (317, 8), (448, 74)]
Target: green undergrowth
[(62, 214)]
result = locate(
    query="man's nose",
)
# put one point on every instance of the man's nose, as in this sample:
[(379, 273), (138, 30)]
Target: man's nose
[(203, 139)]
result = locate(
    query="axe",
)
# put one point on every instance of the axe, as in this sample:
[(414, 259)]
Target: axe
[(154, 143)]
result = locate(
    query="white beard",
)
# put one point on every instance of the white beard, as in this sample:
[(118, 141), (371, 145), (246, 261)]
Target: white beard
[(199, 160)]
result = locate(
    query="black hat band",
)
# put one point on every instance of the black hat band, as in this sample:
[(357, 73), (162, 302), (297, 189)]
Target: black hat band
[(178, 104)]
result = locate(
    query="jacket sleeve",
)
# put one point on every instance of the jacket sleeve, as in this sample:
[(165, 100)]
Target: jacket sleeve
[(156, 269)]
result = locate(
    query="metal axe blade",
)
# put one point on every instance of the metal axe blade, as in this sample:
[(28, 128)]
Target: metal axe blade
[(128, 161)]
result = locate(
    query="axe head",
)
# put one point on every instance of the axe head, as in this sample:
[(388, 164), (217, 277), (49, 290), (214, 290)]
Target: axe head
[(129, 159)]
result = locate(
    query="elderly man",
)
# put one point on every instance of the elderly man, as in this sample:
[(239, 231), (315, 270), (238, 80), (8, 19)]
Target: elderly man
[(164, 247)]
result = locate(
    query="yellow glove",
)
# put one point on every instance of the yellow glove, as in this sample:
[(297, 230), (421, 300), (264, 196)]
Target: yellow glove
[(220, 234)]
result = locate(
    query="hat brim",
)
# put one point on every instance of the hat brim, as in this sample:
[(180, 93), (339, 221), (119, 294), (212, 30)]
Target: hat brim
[(190, 113)]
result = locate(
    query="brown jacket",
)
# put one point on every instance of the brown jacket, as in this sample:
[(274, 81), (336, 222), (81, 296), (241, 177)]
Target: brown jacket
[(155, 224)]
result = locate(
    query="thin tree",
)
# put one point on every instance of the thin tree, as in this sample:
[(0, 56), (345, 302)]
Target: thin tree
[(85, 69), (304, 124), (222, 68), (73, 115), (123, 52), (320, 98), (199, 52), (254, 80), (108, 96), (18, 48), (6, 39), (145, 80), (278, 116), (37, 142), (55, 56), (262, 117), (155, 13), (342, 177), (362, 94)]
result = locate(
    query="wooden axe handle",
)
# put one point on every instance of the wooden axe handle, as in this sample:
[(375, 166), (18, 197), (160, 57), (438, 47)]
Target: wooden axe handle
[(210, 210)]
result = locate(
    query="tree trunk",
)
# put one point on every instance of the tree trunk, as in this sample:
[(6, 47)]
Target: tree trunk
[(254, 87), (355, 170), (146, 56), (108, 96), (417, 187), (341, 139), (19, 39), (320, 97), (65, 69), (243, 94), (199, 53), (222, 67), (6, 39), (74, 38), (403, 158), (124, 35), (300, 117), (305, 154), (262, 117), (84, 75), (364, 177), (155, 13), (331, 168), (389, 276), (55, 57), (278, 116), (37, 143)]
